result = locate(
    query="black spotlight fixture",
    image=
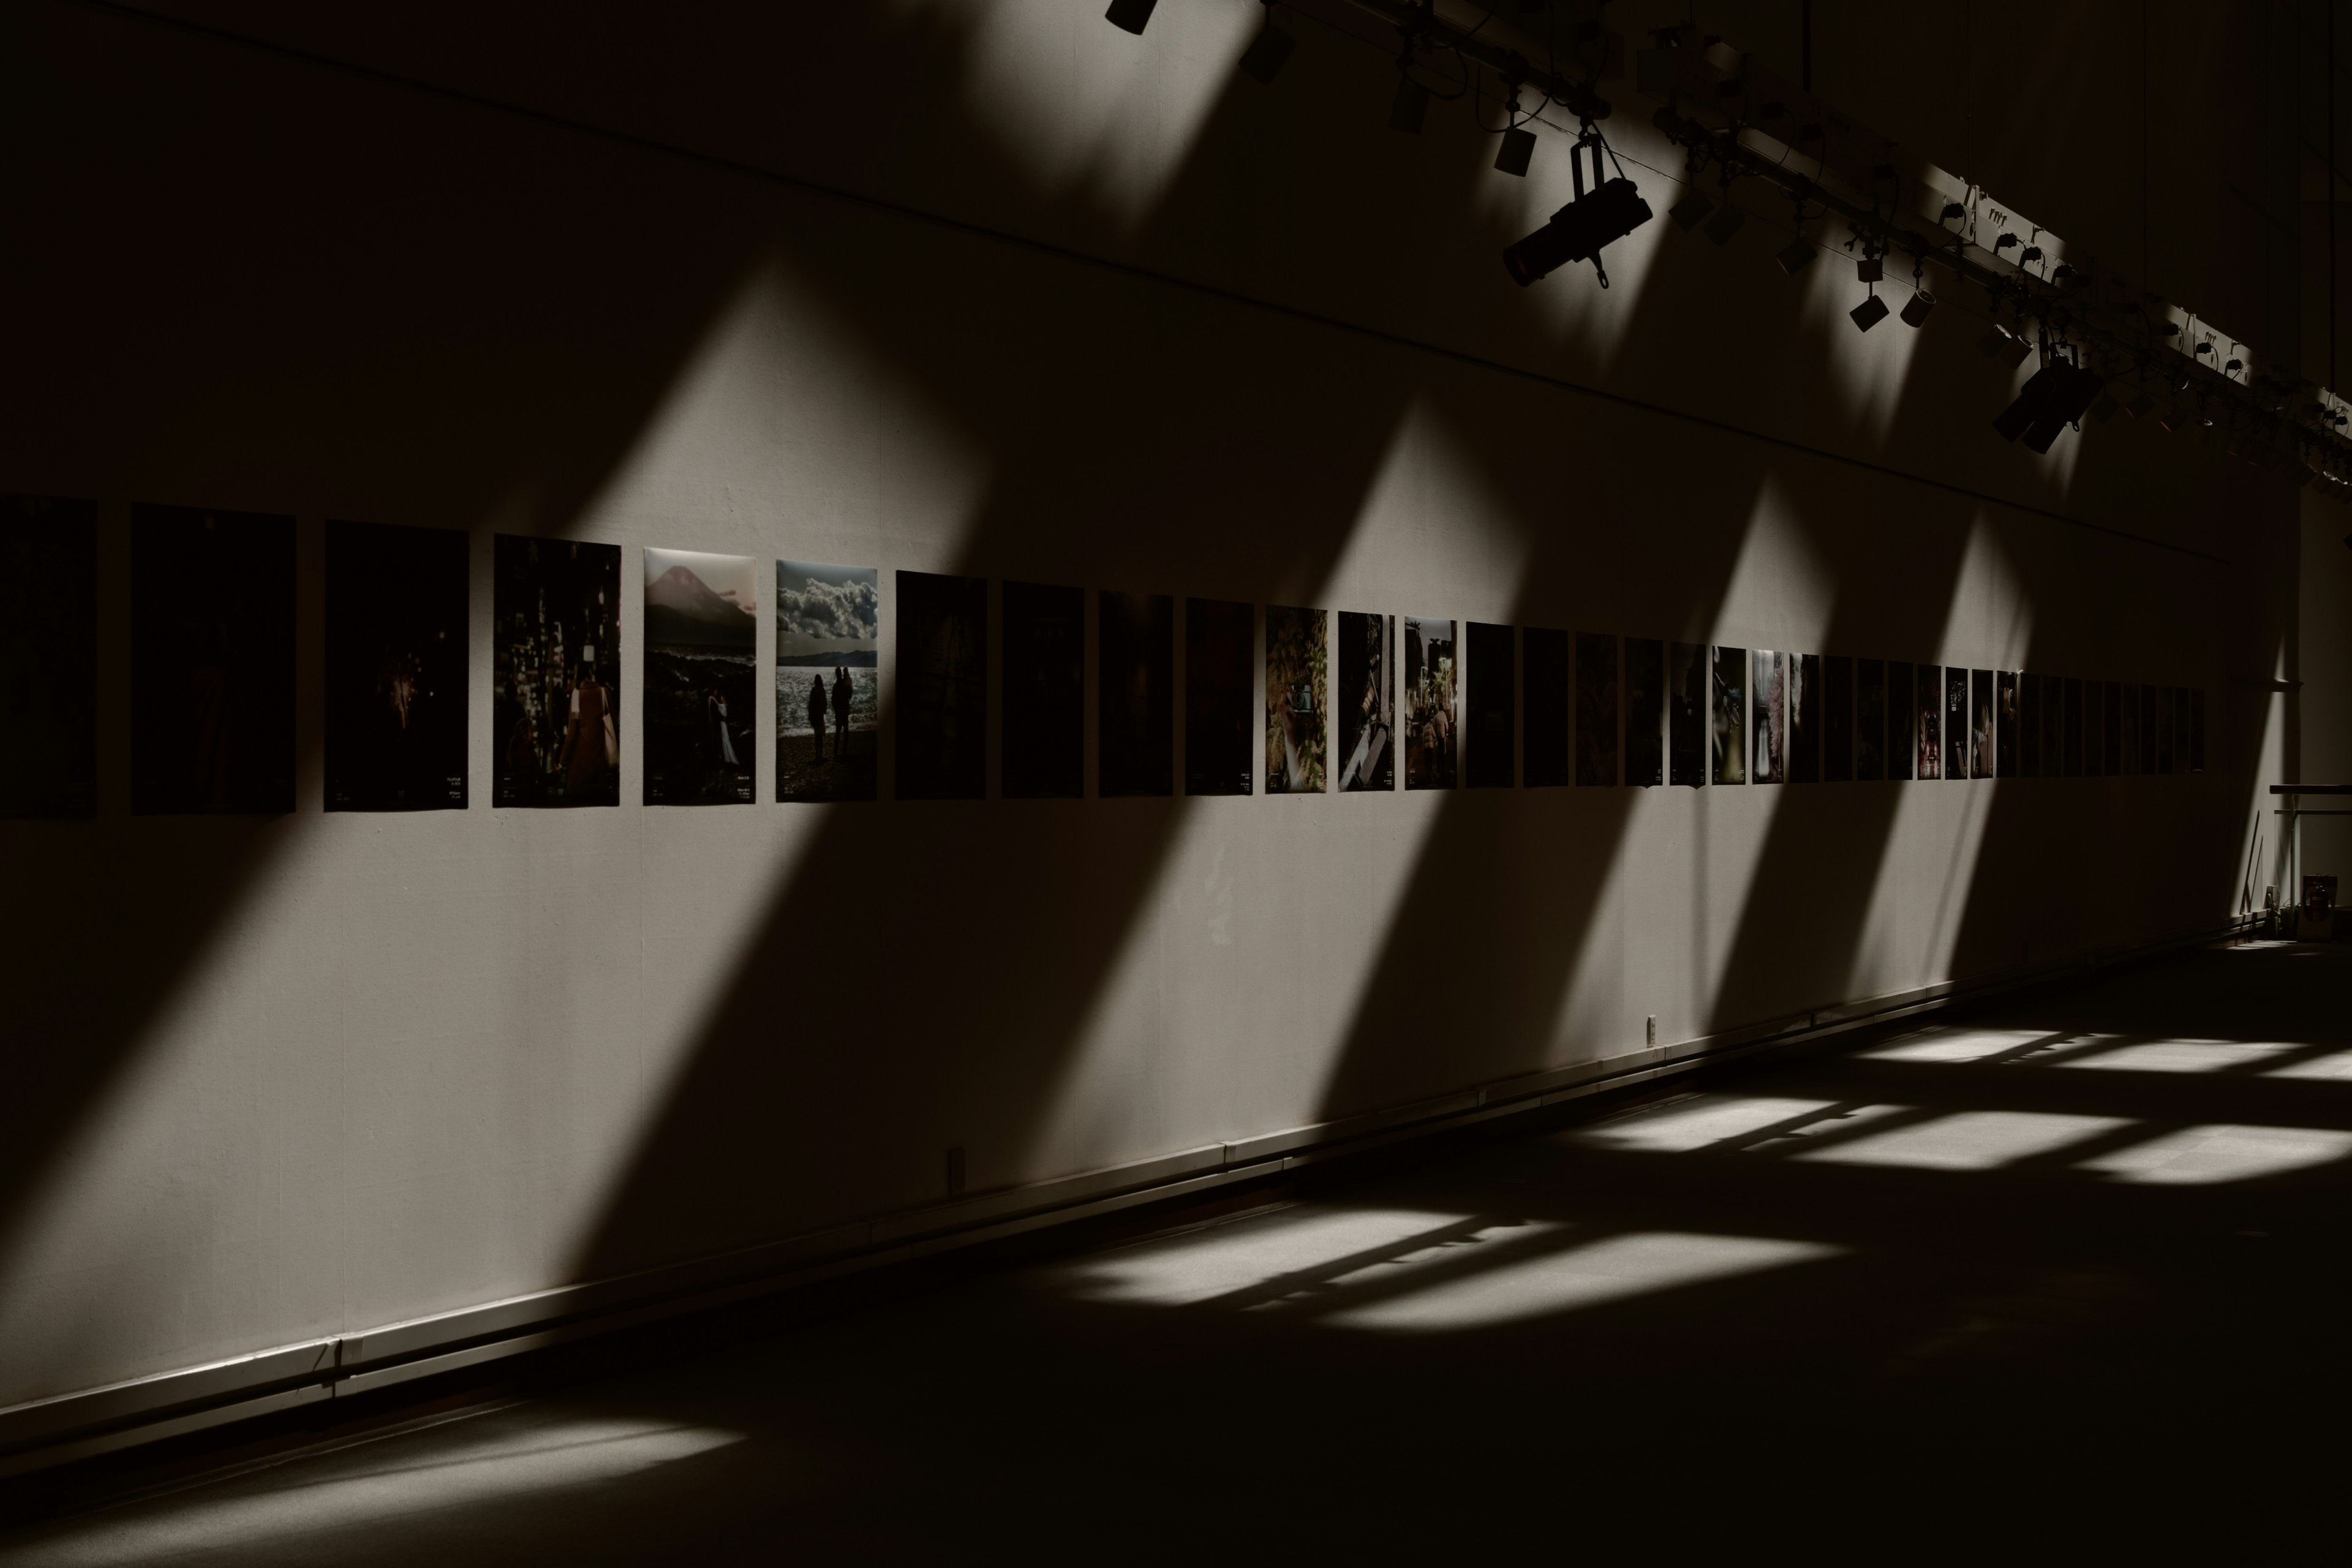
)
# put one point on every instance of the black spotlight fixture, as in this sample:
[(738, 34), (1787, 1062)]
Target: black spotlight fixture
[(1518, 147), (2055, 396), (1915, 312), (1796, 257), (1578, 231), (1870, 313), (1130, 14), (1411, 101), (1266, 52), (1724, 224)]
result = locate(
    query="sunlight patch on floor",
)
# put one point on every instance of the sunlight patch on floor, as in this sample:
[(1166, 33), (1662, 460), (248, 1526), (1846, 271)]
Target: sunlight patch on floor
[(1611, 1268), (1967, 1140), (2182, 1056), (1698, 1122), (1321, 1245), (1955, 1045), (2196, 1156)]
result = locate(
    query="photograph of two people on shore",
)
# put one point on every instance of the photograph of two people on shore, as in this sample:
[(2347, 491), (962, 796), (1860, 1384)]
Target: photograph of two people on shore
[(828, 680)]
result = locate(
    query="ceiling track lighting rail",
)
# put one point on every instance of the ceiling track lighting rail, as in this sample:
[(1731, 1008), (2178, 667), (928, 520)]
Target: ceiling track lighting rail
[(2089, 328)]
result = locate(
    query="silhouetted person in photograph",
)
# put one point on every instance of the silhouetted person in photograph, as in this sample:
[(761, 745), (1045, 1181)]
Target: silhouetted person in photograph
[(816, 712), (583, 735), (726, 739), (840, 709)]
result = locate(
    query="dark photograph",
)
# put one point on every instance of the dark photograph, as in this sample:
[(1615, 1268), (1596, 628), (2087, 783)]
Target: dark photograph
[(2053, 727), (2164, 730), (1837, 717), (1367, 696), (1769, 758), (2128, 730), (1927, 720), (1688, 711), (1431, 753), (2028, 725), (556, 692), (702, 627), (2004, 737), (943, 677), (48, 657), (2147, 700), (396, 641), (1902, 719), (1646, 711), (1136, 698), (1869, 710), (212, 662), (2073, 752), (1958, 739), (1492, 701), (1044, 693), (828, 636), (2094, 728), (1219, 659), (1596, 709), (1805, 718), (1729, 710), (2111, 727), (1297, 681), (2196, 729), (1546, 741), (1981, 724)]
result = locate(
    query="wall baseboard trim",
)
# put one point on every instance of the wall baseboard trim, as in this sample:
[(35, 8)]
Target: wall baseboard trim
[(82, 1425)]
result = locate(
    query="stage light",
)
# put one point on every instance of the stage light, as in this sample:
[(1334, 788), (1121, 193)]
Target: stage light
[(1799, 255), (1579, 230), (2056, 395), (1130, 14), (1687, 211), (1266, 52), (1869, 313), (1411, 102), (1518, 146), (1724, 224), (1870, 269), (1915, 313)]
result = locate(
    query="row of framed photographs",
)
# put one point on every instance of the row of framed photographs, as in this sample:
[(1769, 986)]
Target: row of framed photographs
[(1350, 701)]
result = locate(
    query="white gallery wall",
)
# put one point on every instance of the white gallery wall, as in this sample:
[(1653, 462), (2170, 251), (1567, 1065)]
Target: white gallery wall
[(1068, 306)]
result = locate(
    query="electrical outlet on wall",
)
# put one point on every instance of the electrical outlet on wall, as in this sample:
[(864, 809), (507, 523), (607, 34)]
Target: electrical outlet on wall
[(1651, 1031)]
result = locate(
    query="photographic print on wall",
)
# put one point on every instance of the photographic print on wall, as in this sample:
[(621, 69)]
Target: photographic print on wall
[(1870, 677), (1545, 746), (1646, 708), (2028, 725), (2111, 727), (1044, 693), (828, 630), (1367, 686), (1837, 717), (1805, 718), (396, 641), (1596, 709), (1956, 736), (702, 628), (1297, 671), (1901, 748), (2004, 737), (1770, 718), (2196, 729), (556, 691), (2164, 729), (2148, 729), (1689, 711), (942, 676), (48, 657), (1219, 660), (212, 661), (1431, 711), (2053, 727), (1492, 696), (1136, 701), (1928, 720), (2074, 728), (1981, 724), (1728, 705), (2094, 728), (2128, 730)]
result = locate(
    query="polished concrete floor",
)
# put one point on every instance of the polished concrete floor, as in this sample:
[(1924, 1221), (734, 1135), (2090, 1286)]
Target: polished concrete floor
[(2071, 1275)]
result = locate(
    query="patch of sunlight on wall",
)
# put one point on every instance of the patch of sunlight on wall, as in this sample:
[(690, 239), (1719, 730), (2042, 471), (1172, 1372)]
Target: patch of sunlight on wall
[(1866, 372), (2201, 1156), (1611, 1268), (1083, 108), (1782, 590), (278, 1511), (1434, 535)]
